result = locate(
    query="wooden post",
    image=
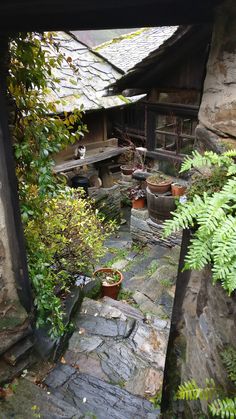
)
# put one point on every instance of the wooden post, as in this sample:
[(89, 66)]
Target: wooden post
[(104, 126), (14, 248), (151, 130)]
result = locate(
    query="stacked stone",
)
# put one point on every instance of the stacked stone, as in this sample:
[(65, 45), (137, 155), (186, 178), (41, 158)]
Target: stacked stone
[(142, 228), (107, 200)]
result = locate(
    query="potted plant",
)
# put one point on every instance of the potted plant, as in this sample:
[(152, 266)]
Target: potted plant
[(111, 280), (159, 183), (177, 189), (127, 169), (138, 197)]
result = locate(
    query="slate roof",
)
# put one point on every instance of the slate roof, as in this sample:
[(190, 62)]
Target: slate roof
[(127, 50), (87, 86), (158, 62)]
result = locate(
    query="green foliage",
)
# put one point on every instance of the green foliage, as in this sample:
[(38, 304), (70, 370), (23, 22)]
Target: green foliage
[(125, 295), (165, 282), (67, 241), (225, 408), (156, 400), (208, 159), (212, 216), (191, 391), (152, 268), (63, 234), (228, 357)]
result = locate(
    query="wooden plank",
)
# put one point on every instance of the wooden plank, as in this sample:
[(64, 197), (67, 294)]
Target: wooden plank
[(166, 155), (28, 15), (65, 167)]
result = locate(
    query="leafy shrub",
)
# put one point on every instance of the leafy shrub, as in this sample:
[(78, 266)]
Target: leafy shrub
[(67, 241)]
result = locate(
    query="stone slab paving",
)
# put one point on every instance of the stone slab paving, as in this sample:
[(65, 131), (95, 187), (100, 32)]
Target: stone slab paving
[(123, 346), (95, 397), (116, 355), (30, 401)]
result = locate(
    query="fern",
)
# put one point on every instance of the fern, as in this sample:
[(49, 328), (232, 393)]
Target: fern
[(214, 216), (228, 357), (222, 408), (191, 391), (225, 408), (208, 159)]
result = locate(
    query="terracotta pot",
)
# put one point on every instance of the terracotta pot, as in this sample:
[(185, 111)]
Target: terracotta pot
[(127, 170), (161, 187), (178, 190), (138, 203), (111, 290)]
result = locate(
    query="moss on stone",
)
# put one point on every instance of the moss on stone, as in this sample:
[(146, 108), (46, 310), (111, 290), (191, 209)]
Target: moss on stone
[(93, 289)]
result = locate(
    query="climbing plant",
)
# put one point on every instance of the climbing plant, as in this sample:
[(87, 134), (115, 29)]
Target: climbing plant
[(211, 216), (48, 210)]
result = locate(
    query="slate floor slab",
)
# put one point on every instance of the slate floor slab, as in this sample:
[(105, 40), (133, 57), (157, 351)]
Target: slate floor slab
[(94, 396), (116, 355)]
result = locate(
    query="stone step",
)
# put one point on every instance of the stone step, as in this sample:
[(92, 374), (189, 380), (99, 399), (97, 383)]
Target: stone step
[(30, 401), (9, 372), (93, 396), (110, 309), (114, 342), (18, 351)]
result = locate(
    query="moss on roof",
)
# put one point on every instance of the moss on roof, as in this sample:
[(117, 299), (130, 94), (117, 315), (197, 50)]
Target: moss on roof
[(120, 38)]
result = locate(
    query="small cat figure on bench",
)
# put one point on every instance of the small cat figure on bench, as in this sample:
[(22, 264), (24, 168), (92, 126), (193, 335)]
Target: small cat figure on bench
[(80, 152)]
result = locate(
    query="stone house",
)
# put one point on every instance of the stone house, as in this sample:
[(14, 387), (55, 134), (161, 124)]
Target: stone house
[(172, 77), (82, 77), (216, 127)]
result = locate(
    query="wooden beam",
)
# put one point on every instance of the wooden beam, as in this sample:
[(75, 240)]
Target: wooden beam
[(32, 15), (72, 164), (151, 130)]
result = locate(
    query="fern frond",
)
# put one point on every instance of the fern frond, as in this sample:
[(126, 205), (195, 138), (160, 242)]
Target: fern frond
[(191, 391), (231, 170), (199, 253), (225, 408), (230, 153), (196, 160), (184, 216), (228, 357), (209, 159)]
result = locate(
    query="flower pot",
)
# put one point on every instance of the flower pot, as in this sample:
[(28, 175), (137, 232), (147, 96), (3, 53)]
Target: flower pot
[(178, 190), (127, 170), (110, 290), (162, 187), (138, 203)]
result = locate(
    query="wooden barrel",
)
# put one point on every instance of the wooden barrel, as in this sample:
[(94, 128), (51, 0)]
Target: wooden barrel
[(160, 206)]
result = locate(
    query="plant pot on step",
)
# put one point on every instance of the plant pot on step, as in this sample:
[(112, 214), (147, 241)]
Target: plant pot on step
[(178, 190), (138, 203), (107, 276), (127, 170), (158, 185)]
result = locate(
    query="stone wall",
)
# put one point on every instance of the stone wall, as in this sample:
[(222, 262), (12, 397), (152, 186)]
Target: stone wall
[(217, 116), (143, 229), (209, 324), (107, 200)]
